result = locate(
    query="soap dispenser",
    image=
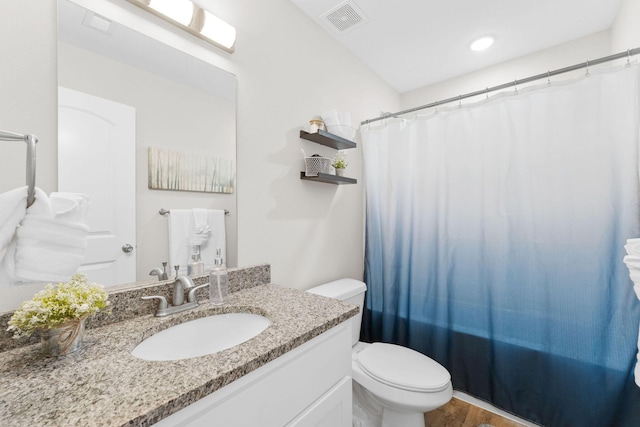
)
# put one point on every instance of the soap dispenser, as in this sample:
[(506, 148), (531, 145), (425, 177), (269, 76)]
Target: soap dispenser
[(218, 281), (195, 266)]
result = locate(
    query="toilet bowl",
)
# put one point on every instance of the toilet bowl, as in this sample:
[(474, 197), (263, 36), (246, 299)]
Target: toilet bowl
[(392, 385)]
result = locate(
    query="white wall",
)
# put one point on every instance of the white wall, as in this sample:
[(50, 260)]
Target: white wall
[(27, 75), (625, 33), (28, 102), (574, 52), (288, 70)]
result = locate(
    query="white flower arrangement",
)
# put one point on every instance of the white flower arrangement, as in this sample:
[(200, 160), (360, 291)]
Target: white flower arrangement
[(58, 304), (340, 161)]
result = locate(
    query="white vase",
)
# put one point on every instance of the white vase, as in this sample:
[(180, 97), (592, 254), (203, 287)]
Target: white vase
[(339, 171)]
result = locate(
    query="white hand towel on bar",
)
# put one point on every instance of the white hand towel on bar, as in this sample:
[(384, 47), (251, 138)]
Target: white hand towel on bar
[(209, 233), (632, 260), (49, 245), (201, 227), (180, 225)]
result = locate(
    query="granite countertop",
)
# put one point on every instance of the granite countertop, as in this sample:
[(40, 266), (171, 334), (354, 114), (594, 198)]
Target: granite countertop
[(104, 385)]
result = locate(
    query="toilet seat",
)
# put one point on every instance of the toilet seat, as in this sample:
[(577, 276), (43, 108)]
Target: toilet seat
[(403, 368)]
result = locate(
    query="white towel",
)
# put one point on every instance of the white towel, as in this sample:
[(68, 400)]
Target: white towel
[(195, 226), (180, 225), (201, 227), (632, 260), (49, 244), (13, 207)]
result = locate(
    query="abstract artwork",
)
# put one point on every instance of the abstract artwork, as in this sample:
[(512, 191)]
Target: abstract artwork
[(186, 171)]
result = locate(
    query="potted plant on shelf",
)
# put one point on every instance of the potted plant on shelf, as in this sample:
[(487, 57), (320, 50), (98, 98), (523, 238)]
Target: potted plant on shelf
[(340, 162), (58, 313)]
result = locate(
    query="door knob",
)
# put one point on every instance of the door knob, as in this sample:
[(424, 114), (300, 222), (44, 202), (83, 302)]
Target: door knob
[(127, 248)]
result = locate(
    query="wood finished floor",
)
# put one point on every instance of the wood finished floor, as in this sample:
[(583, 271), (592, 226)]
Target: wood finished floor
[(458, 413)]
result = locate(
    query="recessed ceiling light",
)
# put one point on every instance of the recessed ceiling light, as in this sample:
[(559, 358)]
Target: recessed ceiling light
[(482, 43)]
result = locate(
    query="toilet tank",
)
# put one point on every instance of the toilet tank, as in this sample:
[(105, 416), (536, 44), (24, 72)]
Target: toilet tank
[(347, 290)]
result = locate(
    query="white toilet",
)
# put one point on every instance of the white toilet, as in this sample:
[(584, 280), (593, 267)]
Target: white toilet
[(393, 386)]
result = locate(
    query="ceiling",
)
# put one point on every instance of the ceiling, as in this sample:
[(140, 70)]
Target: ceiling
[(414, 43)]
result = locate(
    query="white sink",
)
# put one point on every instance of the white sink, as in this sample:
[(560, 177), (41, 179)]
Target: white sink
[(201, 336)]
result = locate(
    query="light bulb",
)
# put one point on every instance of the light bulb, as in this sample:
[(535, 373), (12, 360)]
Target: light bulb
[(218, 30), (178, 10)]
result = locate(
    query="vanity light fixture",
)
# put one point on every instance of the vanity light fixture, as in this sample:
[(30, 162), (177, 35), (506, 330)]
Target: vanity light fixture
[(192, 18), (481, 43), (178, 10)]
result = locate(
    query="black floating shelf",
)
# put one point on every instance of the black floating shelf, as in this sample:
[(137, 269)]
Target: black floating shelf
[(329, 179), (330, 140)]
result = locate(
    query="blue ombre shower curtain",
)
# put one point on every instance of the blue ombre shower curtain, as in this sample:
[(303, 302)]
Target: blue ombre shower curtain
[(494, 243)]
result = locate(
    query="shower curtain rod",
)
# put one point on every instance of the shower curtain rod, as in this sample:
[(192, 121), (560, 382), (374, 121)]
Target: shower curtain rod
[(547, 75)]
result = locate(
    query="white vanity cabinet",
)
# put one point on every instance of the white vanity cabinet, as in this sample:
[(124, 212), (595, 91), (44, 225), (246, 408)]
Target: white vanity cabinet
[(307, 386)]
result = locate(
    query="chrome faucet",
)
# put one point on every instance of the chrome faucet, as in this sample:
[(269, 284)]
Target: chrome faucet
[(181, 284), (160, 272), (156, 272)]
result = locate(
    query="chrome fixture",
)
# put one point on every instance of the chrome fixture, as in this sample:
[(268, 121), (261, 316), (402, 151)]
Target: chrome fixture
[(181, 284), (189, 16), (157, 271), (178, 305), (160, 272), (31, 141), (165, 212), (546, 75)]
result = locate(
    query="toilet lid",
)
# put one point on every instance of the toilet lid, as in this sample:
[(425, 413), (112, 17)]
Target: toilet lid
[(403, 368)]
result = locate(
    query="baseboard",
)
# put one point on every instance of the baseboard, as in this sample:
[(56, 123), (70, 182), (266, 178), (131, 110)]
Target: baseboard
[(489, 407)]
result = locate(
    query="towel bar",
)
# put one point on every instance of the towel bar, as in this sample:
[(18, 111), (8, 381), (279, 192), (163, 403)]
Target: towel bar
[(163, 211), (31, 141)]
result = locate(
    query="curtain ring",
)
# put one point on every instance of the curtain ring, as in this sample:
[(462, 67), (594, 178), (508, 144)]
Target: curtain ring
[(515, 85), (587, 74), (459, 101), (628, 58), (487, 93), (548, 78)]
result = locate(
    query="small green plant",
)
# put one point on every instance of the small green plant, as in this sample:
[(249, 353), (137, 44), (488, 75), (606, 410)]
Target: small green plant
[(57, 304), (340, 161)]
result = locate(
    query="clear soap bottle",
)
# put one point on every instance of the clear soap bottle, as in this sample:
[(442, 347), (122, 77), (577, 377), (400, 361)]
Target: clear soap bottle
[(196, 266), (218, 281)]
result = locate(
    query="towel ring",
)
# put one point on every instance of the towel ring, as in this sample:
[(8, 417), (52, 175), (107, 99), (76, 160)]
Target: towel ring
[(164, 212), (31, 141)]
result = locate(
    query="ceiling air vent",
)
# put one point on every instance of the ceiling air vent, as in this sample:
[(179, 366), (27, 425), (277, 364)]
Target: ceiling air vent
[(344, 17)]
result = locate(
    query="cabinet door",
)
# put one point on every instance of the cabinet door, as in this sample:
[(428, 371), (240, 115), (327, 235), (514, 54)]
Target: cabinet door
[(332, 409), (281, 390)]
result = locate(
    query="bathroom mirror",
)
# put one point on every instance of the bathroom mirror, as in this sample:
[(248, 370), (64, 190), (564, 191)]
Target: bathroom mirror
[(181, 103)]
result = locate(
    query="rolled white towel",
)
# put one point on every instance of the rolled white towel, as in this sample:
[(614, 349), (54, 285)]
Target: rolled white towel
[(13, 207), (71, 207), (633, 247), (49, 245)]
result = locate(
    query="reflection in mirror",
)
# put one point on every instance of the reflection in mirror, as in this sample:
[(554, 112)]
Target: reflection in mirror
[(171, 100)]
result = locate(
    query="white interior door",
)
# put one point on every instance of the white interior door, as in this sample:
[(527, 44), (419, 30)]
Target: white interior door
[(96, 156)]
